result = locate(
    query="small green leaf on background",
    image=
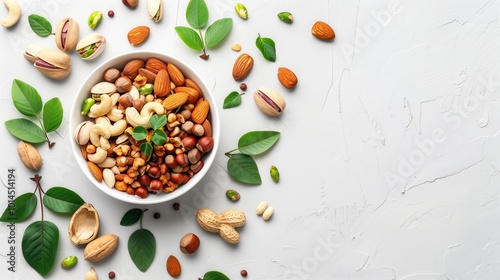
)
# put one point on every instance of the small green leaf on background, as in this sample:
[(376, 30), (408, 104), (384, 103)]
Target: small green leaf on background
[(62, 200), (52, 114), (197, 13), (146, 148), (142, 248), (40, 25), (21, 208), (215, 275), (232, 100), (217, 31), (243, 169), (266, 47), (25, 130), (190, 37), (131, 217), (139, 132), (159, 137), (157, 121), (256, 142), (39, 246), (26, 98)]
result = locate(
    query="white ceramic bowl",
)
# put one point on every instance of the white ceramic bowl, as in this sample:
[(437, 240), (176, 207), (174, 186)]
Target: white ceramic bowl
[(76, 118)]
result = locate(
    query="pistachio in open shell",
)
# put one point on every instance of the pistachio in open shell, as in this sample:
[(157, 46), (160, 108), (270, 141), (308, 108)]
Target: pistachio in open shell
[(53, 64), (67, 33), (31, 52), (91, 46), (155, 9), (84, 225)]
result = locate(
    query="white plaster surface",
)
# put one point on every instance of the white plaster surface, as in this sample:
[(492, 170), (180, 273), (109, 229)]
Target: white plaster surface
[(389, 151)]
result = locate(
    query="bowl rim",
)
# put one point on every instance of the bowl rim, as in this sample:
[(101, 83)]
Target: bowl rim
[(119, 61)]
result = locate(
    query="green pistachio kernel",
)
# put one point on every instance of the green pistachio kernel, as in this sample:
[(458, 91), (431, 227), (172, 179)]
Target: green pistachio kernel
[(286, 17), (86, 105), (94, 19), (146, 89), (275, 174), (69, 262), (233, 195), (241, 10)]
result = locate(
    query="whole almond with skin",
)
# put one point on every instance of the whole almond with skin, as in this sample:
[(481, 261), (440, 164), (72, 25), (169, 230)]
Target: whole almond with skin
[(29, 155), (192, 84), (323, 31), (175, 100), (173, 266), (176, 75), (161, 85), (137, 35), (95, 170), (242, 66), (100, 248), (192, 93), (132, 67), (150, 76), (154, 65), (286, 77), (207, 127), (200, 112)]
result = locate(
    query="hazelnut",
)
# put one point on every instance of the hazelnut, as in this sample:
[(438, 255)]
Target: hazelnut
[(194, 156), (144, 180), (187, 126), (138, 104), (170, 161), (111, 75), (123, 84), (156, 185), (196, 167), (154, 171), (198, 130), (205, 144), (141, 192), (125, 100), (177, 178), (189, 142), (189, 243), (181, 159)]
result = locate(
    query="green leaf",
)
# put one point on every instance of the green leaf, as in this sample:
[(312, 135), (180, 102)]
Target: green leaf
[(146, 148), (39, 246), (232, 100), (21, 208), (142, 248), (215, 275), (197, 13), (52, 114), (266, 47), (257, 142), (243, 169), (26, 98), (190, 37), (62, 200), (40, 25), (139, 132), (159, 137), (217, 31), (157, 121), (25, 130), (131, 217)]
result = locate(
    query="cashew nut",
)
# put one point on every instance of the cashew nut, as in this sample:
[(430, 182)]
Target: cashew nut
[(134, 118), (97, 131), (99, 156), (102, 108), (115, 114), (115, 129), (14, 13)]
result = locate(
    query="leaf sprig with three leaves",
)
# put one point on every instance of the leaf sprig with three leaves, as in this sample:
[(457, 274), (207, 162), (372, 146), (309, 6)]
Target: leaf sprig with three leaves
[(159, 137), (28, 102), (142, 242), (241, 166), (197, 17)]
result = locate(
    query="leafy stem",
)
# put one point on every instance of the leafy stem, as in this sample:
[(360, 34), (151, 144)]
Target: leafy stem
[(142, 242), (51, 144), (38, 188), (230, 153)]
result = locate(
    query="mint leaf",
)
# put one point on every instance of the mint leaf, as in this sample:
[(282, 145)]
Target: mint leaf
[(243, 168), (266, 47), (25, 130), (256, 142), (197, 13), (232, 100)]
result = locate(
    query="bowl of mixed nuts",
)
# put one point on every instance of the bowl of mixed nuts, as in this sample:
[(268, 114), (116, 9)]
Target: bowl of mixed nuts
[(145, 127)]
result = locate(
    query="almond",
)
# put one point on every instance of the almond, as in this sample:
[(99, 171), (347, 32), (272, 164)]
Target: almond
[(242, 66), (150, 76), (207, 128), (193, 94), (138, 35), (175, 75), (95, 170), (161, 85), (132, 67), (192, 84), (173, 266), (100, 248), (323, 31), (175, 100), (286, 77), (155, 65), (200, 112)]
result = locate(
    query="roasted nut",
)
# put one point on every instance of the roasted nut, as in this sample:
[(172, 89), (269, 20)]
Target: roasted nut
[(14, 13), (91, 274), (130, 3), (141, 192), (111, 74), (269, 101), (173, 266), (156, 185), (53, 64), (123, 84), (138, 35), (268, 213), (131, 69), (189, 243), (29, 155), (91, 46)]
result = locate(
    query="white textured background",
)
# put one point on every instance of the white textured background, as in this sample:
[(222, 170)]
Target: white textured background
[(389, 153)]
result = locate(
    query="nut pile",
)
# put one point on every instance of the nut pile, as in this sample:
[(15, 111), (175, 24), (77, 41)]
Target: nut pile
[(127, 98)]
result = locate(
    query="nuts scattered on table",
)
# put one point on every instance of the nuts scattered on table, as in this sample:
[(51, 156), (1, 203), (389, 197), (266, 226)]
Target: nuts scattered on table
[(14, 13), (29, 155), (268, 213), (94, 19), (138, 35), (236, 47), (265, 210), (323, 31), (275, 174), (91, 274), (155, 9), (261, 208), (241, 10), (173, 266), (224, 224), (130, 3), (189, 243), (66, 34), (91, 46), (69, 262), (233, 195), (53, 63), (287, 78), (242, 66), (111, 275), (285, 17)]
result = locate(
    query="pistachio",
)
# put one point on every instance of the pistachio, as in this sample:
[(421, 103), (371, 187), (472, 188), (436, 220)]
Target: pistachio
[(146, 89), (103, 88), (87, 103), (84, 225), (53, 64), (69, 262), (275, 174), (155, 9), (285, 17), (91, 46), (241, 10), (67, 33), (233, 195), (82, 132), (269, 101), (31, 51), (94, 19)]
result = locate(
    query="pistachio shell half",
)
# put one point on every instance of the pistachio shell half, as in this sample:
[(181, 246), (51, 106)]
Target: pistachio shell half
[(31, 51), (155, 9), (103, 88), (91, 46), (67, 33), (84, 225), (53, 64)]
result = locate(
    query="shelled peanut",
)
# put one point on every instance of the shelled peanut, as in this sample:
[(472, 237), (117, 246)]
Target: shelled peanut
[(128, 98)]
